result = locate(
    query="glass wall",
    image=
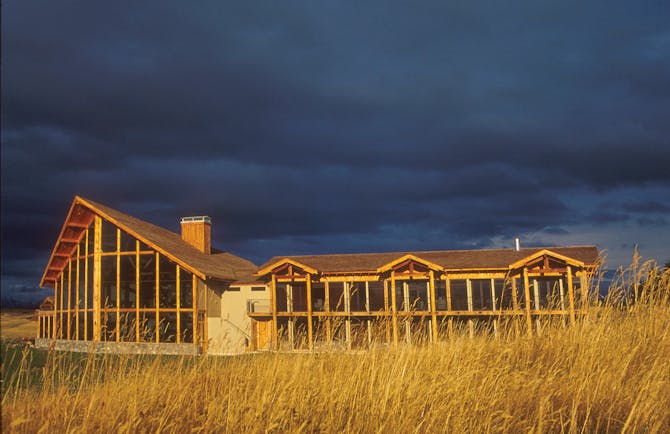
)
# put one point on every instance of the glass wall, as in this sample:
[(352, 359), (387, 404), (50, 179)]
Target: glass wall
[(143, 295)]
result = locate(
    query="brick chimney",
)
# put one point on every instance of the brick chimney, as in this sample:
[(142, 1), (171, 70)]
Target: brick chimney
[(197, 231)]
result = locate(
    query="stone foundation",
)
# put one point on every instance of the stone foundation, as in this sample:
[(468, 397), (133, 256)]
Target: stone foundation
[(118, 347)]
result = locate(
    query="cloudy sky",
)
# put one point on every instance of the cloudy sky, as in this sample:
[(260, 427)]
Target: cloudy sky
[(338, 126)]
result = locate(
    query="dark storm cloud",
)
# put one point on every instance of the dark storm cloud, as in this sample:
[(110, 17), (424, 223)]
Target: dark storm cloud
[(302, 125)]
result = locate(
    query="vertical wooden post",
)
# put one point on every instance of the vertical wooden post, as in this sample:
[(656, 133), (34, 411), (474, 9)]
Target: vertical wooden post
[(367, 309), (273, 311), (394, 309), (571, 296), (97, 263), (158, 288), (433, 306), (536, 292), (118, 284), (56, 311), (347, 308), (562, 293), (86, 283), (387, 324), (450, 321), (471, 325), (194, 295), (178, 301), (526, 288), (69, 298), (137, 291), (406, 308), (515, 304), (289, 308), (77, 299), (493, 303), (326, 308), (310, 332)]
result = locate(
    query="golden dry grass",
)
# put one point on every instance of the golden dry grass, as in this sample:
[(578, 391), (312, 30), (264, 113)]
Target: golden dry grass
[(609, 373), (17, 324)]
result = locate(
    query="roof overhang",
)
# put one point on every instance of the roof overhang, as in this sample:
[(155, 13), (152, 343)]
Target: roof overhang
[(286, 261), (545, 252), (409, 258), (73, 230)]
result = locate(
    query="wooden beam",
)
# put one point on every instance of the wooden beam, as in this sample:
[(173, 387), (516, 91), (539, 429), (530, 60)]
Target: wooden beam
[(118, 285), (326, 308), (289, 309), (97, 263), (515, 303), (471, 325), (433, 307), (310, 336), (178, 301), (346, 290), (394, 310), (69, 299), (450, 321), (406, 308), (367, 309), (86, 283), (536, 292), (526, 288), (194, 295), (77, 299), (386, 311), (137, 290), (571, 296), (158, 288)]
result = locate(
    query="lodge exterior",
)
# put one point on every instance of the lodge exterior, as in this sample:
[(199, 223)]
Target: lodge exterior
[(124, 285)]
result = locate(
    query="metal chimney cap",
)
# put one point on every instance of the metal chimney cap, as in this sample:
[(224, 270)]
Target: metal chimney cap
[(197, 219)]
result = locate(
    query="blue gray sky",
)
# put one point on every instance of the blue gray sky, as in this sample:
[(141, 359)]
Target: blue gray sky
[(337, 126)]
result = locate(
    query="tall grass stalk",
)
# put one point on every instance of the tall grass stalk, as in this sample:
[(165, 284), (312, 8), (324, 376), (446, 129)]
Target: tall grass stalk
[(609, 373)]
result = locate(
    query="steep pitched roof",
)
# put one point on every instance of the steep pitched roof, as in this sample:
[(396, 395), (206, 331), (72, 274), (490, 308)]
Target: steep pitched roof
[(221, 265), (448, 259)]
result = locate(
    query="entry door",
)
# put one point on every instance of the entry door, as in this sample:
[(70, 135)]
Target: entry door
[(262, 334)]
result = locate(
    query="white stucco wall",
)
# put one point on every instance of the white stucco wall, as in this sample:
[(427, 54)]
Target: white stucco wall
[(231, 332)]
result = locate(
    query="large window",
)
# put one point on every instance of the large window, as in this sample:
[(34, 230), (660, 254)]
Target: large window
[(143, 295)]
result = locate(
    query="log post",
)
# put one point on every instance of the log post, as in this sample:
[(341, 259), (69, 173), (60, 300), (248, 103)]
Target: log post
[(433, 306), (526, 288), (386, 311), (273, 311), (571, 296), (471, 326), (450, 321), (97, 262), (346, 289), (310, 336), (326, 308), (406, 305), (367, 309), (394, 310)]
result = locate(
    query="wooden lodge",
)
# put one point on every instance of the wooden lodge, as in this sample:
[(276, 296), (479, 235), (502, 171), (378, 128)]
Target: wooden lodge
[(122, 284)]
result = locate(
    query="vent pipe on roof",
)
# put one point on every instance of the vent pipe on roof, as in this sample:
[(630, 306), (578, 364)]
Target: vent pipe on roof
[(197, 232), (517, 246)]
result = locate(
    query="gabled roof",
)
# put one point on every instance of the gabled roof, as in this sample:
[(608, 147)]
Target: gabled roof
[(491, 259), (549, 253), (221, 265)]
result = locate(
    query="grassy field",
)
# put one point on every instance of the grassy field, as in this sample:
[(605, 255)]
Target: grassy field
[(609, 373), (17, 324)]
